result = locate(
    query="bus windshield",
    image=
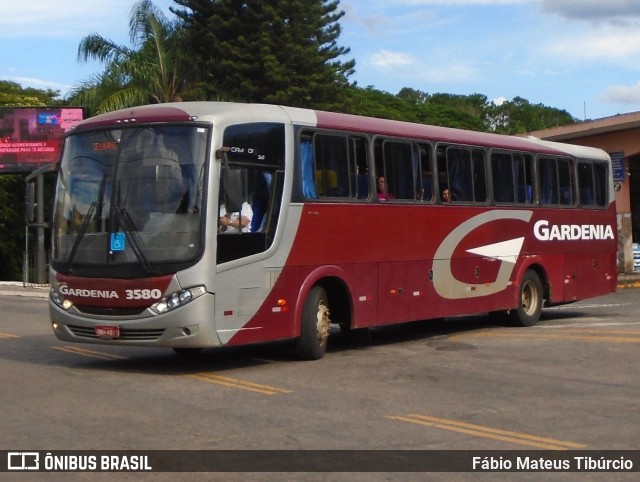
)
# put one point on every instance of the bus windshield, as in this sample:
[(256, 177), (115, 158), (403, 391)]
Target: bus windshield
[(130, 196)]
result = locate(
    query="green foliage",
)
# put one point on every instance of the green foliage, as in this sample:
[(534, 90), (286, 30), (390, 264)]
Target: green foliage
[(14, 95), (473, 112), (268, 50), (11, 226), (518, 115), (416, 106)]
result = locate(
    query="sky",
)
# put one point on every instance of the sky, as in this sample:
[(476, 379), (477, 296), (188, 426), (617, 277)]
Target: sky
[(582, 56)]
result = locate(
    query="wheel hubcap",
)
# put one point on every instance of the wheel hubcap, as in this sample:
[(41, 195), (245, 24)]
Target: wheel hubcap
[(323, 322), (529, 298)]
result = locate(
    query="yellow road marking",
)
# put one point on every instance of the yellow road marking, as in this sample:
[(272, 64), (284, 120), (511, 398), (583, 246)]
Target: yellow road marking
[(88, 353), (597, 331), (594, 336), (218, 379), (488, 432), (235, 383), (8, 335)]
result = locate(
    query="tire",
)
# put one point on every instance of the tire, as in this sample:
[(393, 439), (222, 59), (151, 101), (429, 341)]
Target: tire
[(314, 326), (531, 297)]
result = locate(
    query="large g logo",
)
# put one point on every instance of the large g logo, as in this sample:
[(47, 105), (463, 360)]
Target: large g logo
[(507, 252)]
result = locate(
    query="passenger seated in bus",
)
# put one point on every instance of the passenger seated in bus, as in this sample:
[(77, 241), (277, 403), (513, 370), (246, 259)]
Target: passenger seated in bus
[(383, 194), (236, 222), (446, 195)]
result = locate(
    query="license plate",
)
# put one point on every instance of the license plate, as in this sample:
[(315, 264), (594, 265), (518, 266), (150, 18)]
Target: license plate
[(107, 331)]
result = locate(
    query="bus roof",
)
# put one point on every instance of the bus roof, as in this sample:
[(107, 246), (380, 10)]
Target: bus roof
[(184, 111), (349, 122), (572, 149)]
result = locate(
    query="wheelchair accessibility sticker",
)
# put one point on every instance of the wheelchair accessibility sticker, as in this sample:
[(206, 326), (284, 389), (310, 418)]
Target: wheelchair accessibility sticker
[(117, 242)]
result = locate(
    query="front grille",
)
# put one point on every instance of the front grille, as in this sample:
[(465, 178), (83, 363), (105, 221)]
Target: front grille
[(145, 334), (98, 310)]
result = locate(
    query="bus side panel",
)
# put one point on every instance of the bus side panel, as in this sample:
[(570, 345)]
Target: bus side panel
[(406, 292), (593, 274), (278, 318), (446, 261)]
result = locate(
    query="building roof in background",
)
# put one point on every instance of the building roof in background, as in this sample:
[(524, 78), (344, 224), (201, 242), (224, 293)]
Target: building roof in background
[(589, 128)]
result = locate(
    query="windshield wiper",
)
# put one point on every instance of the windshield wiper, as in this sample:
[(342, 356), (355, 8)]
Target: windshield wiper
[(103, 184), (81, 233), (126, 222)]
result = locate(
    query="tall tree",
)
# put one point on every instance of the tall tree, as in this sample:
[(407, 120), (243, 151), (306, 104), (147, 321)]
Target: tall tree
[(154, 70), (268, 50)]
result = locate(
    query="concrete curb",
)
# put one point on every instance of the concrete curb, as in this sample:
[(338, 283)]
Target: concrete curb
[(629, 284), (16, 288)]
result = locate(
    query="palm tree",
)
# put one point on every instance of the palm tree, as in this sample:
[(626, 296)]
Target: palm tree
[(154, 70)]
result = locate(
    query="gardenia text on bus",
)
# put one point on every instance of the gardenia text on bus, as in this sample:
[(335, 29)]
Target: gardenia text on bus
[(569, 232)]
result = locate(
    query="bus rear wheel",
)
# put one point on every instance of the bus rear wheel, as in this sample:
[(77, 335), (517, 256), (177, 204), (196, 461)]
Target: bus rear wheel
[(314, 328), (530, 301)]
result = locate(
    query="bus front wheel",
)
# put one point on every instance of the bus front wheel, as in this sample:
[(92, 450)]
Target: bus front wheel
[(314, 328), (530, 301)]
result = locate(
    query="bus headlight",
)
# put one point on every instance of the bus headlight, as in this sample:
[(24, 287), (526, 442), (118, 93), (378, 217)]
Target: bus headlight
[(60, 300), (178, 299)]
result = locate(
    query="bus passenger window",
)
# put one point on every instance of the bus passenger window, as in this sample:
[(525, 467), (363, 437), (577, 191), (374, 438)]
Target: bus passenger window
[(404, 169), (328, 166), (502, 173), (398, 168), (555, 181), (511, 175), (565, 182), (600, 181), (523, 169), (332, 167), (592, 181), (465, 170), (548, 181), (585, 184)]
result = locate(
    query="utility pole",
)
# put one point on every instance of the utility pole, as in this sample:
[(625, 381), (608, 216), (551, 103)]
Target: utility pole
[(35, 182), (40, 275)]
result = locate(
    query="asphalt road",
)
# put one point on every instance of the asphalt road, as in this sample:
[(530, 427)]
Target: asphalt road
[(570, 383)]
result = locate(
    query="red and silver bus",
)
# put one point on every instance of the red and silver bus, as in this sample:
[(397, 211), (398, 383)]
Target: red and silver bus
[(192, 225)]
